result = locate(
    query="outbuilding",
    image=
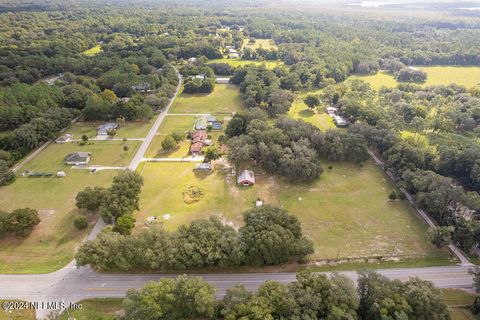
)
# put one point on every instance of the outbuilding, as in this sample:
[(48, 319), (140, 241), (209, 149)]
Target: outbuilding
[(104, 128), (246, 178), (63, 139)]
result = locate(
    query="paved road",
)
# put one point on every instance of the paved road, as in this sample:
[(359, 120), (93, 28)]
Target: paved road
[(72, 284), (153, 130)]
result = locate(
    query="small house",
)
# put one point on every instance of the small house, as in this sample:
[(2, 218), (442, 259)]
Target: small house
[(211, 119), (104, 128), (201, 123), (78, 158), (222, 80), (246, 178), (332, 111), (141, 87), (63, 139), (340, 121)]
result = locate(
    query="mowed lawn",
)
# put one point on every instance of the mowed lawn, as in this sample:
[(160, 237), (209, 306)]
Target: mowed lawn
[(347, 213), (224, 99), (137, 129), (170, 125), (269, 64), (52, 243), (458, 302), (436, 75), (97, 308), (318, 117), (162, 194), (104, 153), (260, 43)]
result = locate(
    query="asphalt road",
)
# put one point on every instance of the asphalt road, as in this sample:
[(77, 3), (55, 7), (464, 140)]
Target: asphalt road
[(72, 284), (153, 130)]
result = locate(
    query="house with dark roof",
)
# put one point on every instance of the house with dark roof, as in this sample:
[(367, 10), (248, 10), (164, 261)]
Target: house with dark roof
[(78, 158), (246, 178)]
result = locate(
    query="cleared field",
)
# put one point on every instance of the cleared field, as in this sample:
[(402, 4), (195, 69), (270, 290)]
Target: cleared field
[(347, 213), (465, 76), (241, 62), (137, 129), (376, 81), (318, 117), (436, 75), (169, 125), (224, 99), (98, 308), (333, 210), (457, 301), (92, 51), (162, 195), (105, 153), (260, 43), (25, 314), (52, 243)]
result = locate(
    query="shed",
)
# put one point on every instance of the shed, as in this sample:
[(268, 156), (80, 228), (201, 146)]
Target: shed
[(340, 121), (61, 174), (78, 158), (63, 139), (246, 178)]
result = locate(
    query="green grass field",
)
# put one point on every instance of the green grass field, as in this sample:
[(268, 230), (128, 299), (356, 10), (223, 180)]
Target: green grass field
[(458, 302), (25, 314), (162, 195), (241, 62), (436, 75), (260, 43), (52, 243), (340, 220), (93, 51), (105, 153), (318, 117), (137, 129), (96, 309), (333, 210), (224, 99)]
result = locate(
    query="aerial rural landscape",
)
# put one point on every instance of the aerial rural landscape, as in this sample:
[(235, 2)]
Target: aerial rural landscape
[(254, 160)]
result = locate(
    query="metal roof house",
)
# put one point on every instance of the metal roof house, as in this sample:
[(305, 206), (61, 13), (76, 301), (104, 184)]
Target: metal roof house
[(246, 178), (201, 123), (63, 139), (104, 128), (340, 121), (78, 158)]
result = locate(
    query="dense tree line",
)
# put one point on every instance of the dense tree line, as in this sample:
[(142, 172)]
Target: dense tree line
[(269, 236), (310, 296), (289, 148)]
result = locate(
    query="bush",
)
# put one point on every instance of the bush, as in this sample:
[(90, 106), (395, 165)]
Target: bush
[(392, 195), (22, 221), (80, 222), (126, 148)]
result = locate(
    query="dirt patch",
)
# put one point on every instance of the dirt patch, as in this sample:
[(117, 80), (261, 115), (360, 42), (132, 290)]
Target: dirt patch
[(193, 194)]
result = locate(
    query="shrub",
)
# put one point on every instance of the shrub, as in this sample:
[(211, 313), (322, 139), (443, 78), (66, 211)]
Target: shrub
[(80, 222)]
